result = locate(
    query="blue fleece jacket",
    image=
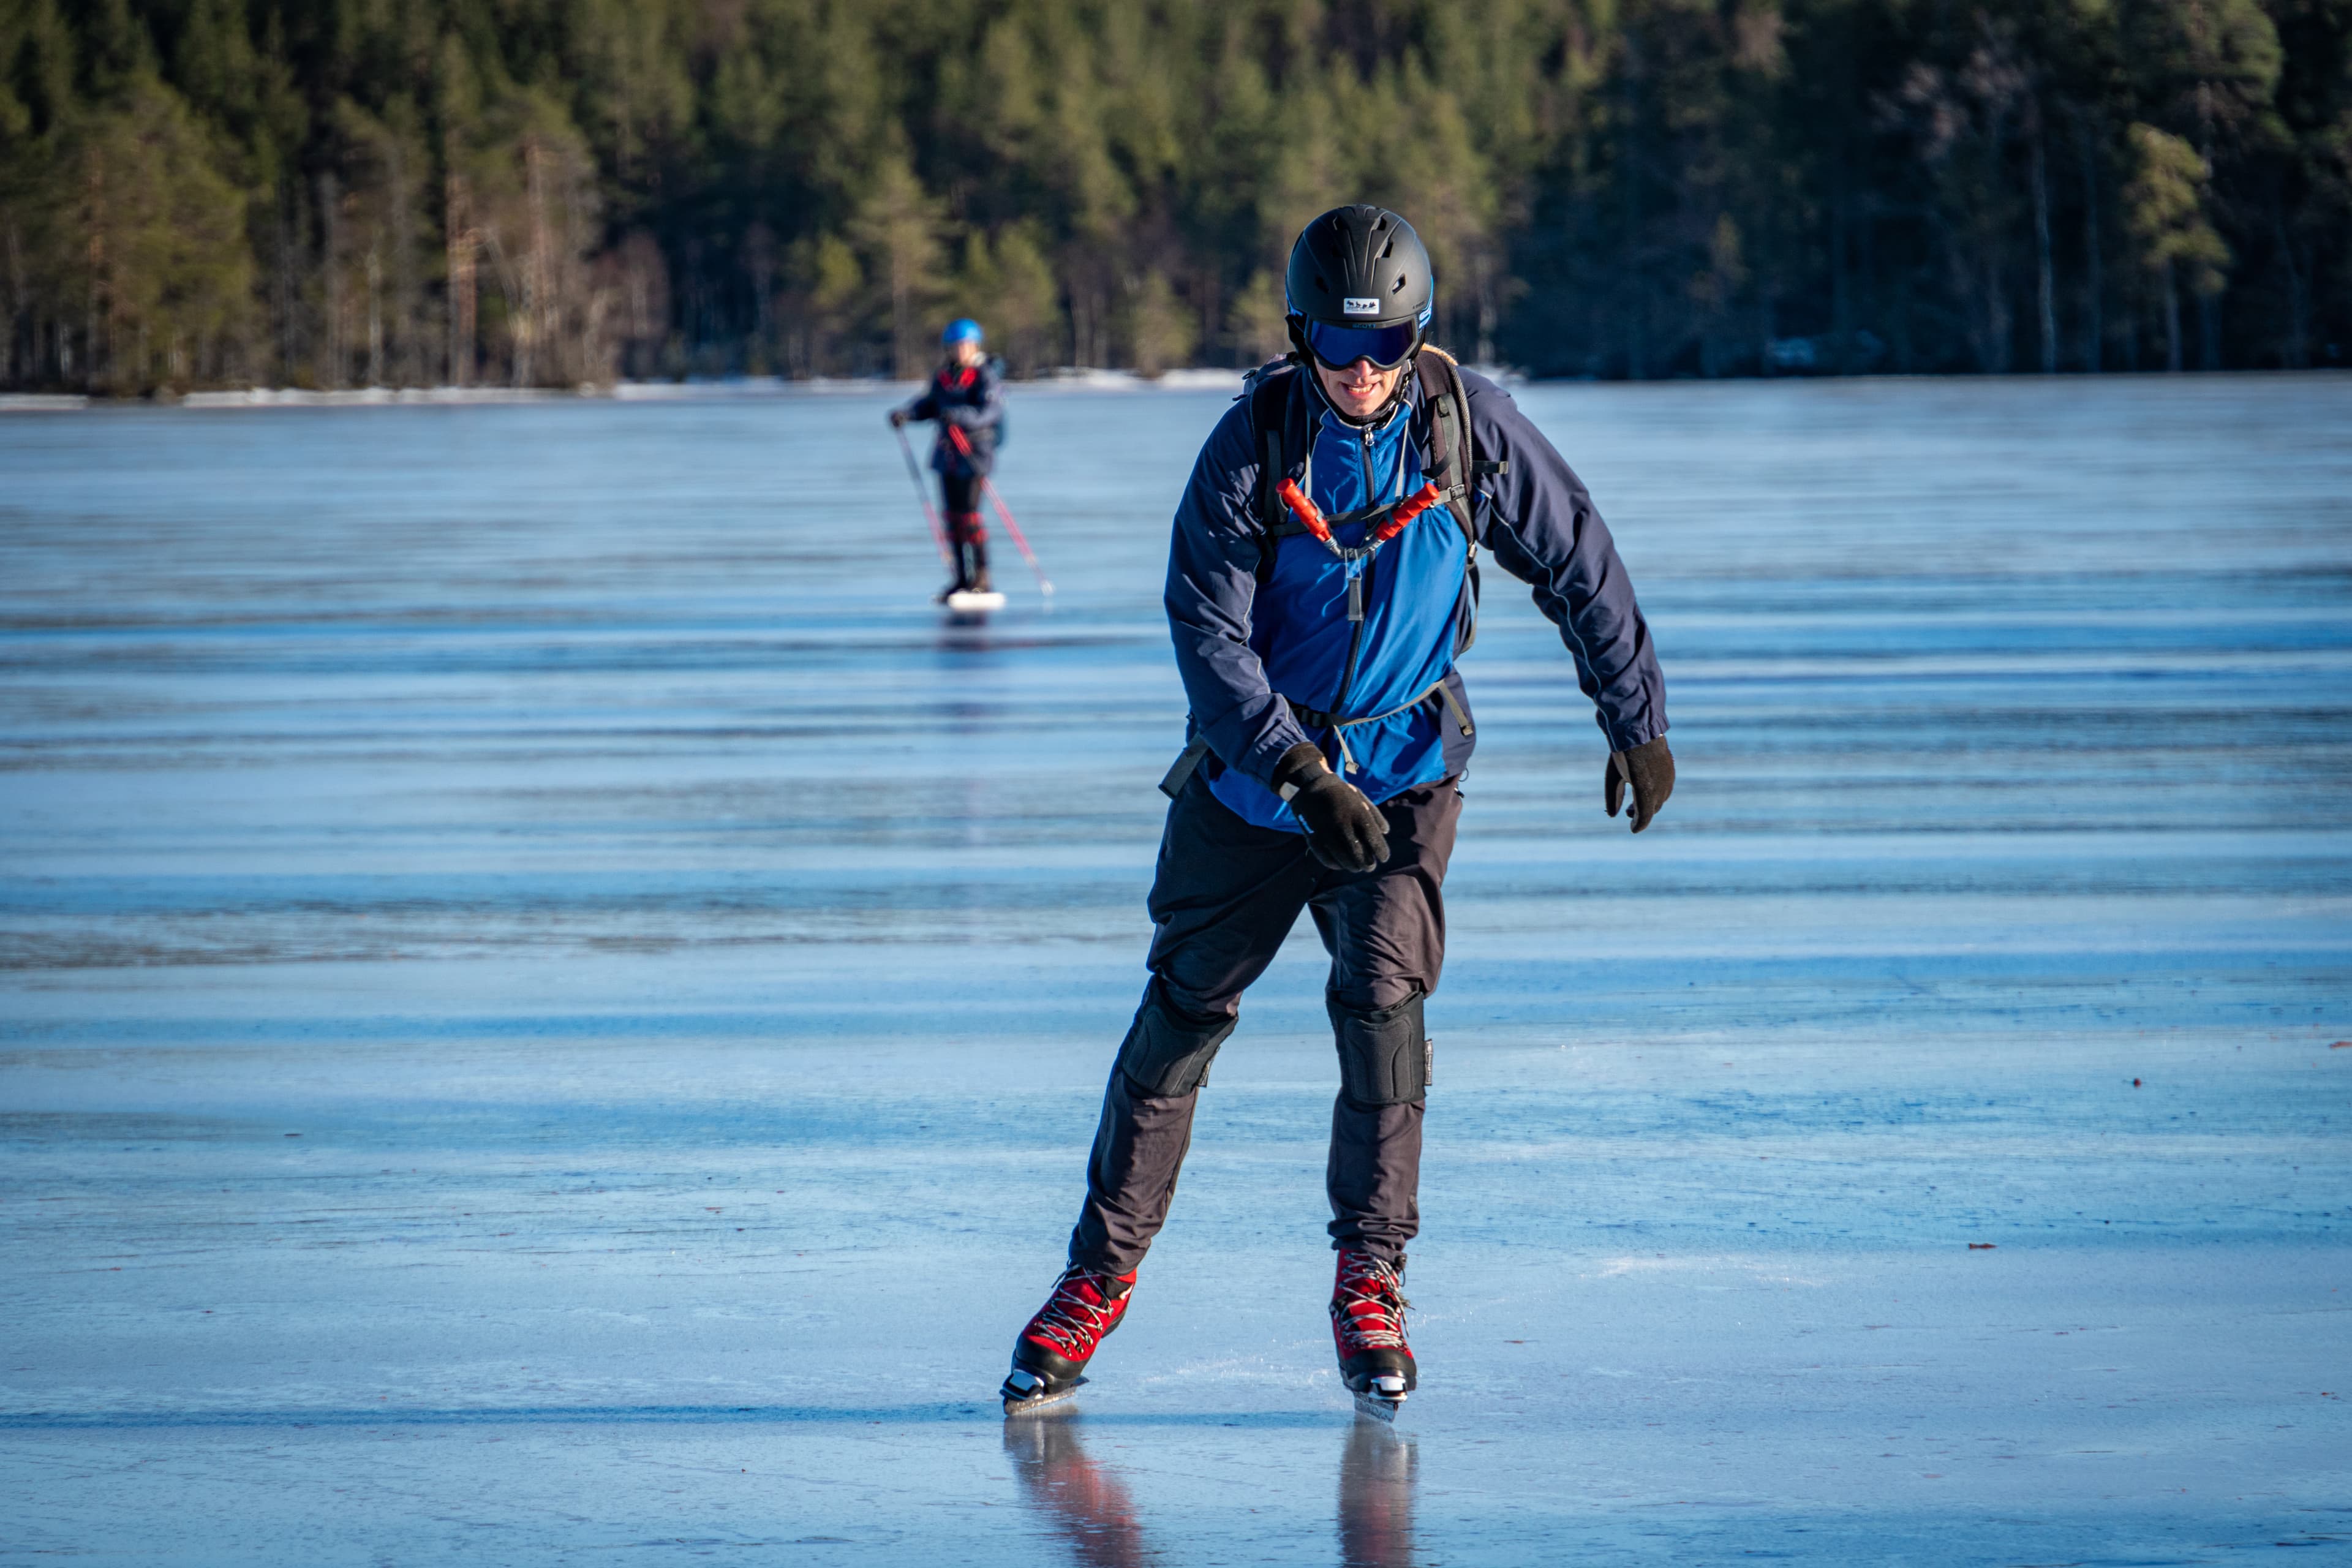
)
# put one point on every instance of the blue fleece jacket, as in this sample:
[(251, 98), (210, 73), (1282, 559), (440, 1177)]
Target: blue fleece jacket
[(1247, 654)]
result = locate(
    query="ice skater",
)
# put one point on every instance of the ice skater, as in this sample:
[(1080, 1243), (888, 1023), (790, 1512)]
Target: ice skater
[(1321, 580), (966, 395)]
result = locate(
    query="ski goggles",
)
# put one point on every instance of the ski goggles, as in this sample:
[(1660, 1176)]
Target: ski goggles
[(1339, 346)]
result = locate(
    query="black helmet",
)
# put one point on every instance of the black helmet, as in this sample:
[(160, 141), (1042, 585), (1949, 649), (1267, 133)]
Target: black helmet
[(1358, 288)]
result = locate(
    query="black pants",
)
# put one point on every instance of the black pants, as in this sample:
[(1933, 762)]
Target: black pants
[(959, 495), (1225, 896), (967, 535)]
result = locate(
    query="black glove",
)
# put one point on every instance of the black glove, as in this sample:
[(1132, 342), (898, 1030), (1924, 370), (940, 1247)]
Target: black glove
[(1344, 830), (898, 418), (1650, 769)]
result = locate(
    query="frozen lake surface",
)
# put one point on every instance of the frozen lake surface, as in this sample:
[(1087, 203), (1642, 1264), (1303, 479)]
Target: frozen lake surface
[(550, 1011)]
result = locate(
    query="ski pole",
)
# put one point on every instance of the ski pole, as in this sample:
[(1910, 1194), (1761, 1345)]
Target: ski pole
[(1003, 513), (923, 494)]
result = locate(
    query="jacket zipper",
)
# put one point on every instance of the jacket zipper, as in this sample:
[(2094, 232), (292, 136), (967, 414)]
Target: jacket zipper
[(1357, 584)]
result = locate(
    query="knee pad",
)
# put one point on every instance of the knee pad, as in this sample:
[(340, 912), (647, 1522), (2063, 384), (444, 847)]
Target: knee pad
[(1384, 1057), (1167, 1050)]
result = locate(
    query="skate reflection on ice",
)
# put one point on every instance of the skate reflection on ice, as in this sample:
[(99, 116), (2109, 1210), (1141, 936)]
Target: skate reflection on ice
[(1089, 1507), (1376, 1483), (1086, 1505)]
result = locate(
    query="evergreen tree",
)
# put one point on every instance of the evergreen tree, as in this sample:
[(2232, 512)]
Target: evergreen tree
[(331, 193)]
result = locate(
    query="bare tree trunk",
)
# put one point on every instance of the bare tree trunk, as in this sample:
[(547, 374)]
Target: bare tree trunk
[(16, 298), (2000, 319), (2047, 284), (458, 230), (2209, 306), (374, 312), (2094, 283), (91, 356), (407, 299), (1903, 283), (2298, 296), (537, 284), (513, 285), (903, 361), (2172, 319), (331, 368), (1841, 293), (759, 265), (281, 289)]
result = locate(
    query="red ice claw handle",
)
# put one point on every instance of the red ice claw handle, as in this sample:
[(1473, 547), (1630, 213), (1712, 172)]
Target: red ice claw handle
[(1309, 515), (1413, 506)]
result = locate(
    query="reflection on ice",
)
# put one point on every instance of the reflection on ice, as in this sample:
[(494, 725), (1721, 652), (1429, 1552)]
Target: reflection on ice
[(1085, 1504), (1089, 1507), (1377, 1472)]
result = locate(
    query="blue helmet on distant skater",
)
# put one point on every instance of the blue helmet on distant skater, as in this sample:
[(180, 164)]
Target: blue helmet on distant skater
[(962, 330)]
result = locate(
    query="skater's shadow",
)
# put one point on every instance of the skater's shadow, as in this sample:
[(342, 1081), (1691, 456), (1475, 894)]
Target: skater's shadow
[(1090, 1507)]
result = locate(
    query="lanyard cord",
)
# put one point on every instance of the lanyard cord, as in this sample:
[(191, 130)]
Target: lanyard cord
[(1400, 515)]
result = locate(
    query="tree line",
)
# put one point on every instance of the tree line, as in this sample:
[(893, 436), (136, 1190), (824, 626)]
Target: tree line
[(346, 193)]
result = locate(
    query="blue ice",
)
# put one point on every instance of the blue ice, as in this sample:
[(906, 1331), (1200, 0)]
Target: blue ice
[(549, 1008)]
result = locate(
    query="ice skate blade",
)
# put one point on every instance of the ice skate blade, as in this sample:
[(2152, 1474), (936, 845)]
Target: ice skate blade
[(1029, 1404), (1379, 1408), (973, 603)]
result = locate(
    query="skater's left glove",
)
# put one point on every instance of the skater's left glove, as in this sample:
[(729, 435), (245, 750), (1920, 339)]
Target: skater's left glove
[(1650, 769), (898, 418)]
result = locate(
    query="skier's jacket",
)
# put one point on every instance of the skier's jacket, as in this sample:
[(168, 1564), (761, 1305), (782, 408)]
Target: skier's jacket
[(1260, 608), (969, 398)]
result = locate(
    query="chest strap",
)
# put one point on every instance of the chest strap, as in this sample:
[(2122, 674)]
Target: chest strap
[(1385, 520)]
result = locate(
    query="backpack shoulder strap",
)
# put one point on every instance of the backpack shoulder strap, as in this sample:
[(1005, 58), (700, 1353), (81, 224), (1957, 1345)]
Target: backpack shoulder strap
[(1271, 393), (1453, 462), (1454, 465)]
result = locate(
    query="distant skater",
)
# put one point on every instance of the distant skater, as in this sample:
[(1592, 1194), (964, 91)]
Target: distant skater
[(1321, 580), (966, 395)]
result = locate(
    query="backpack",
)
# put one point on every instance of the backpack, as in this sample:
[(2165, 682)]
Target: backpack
[(1285, 433), (1451, 462)]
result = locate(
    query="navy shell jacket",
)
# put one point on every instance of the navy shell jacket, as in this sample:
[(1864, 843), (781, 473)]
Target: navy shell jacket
[(972, 399), (1247, 652)]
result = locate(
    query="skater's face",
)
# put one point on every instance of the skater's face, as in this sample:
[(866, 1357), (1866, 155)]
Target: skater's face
[(965, 354), (1360, 391)]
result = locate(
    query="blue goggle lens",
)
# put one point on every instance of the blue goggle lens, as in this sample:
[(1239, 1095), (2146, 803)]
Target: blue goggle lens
[(1340, 347)]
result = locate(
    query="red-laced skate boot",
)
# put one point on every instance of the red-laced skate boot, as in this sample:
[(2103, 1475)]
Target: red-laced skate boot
[(1053, 1350), (1368, 1309)]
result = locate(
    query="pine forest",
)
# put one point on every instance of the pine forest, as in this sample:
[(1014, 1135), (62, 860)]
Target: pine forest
[(338, 194)]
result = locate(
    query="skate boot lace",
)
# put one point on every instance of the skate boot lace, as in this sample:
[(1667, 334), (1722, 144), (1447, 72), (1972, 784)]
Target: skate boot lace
[(1369, 1304), (1073, 1323)]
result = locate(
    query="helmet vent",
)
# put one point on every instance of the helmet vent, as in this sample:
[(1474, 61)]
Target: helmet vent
[(1388, 250)]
